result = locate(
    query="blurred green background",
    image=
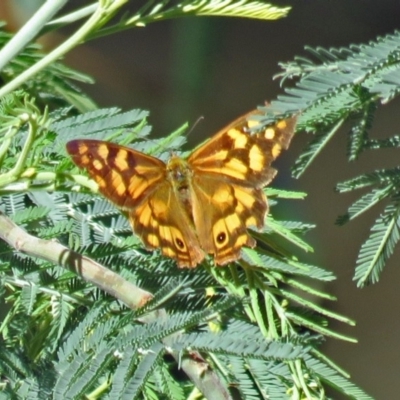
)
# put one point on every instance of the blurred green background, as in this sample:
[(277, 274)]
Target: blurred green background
[(220, 68)]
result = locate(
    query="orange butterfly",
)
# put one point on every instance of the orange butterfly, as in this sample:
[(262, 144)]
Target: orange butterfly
[(196, 206)]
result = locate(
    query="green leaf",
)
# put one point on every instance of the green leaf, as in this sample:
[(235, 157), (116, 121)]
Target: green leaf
[(287, 230), (234, 8), (335, 379), (313, 149), (364, 203), (30, 214), (149, 360), (378, 247)]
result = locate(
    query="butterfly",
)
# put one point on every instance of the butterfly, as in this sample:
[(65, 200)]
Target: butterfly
[(195, 206)]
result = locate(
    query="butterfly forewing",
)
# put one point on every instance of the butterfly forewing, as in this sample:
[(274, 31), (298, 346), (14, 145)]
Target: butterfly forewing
[(237, 155), (125, 176)]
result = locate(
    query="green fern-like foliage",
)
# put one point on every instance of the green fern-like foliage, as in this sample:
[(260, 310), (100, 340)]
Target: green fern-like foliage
[(252, 323), (350, 84)]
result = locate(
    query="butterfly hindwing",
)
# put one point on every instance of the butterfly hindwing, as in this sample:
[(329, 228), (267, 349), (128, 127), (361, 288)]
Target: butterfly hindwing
[(222, 213), (161, 222)]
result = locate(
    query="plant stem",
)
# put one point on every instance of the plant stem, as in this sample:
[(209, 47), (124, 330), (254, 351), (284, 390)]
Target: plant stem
[(13, 174), (101, 15), (29, 30), (69, 18), (11, 132)]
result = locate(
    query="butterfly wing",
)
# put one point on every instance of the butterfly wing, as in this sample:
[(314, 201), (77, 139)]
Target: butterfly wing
[(161, 221), (125, 176), (234, 154), (138, 183), (229, 172), (222, 213)]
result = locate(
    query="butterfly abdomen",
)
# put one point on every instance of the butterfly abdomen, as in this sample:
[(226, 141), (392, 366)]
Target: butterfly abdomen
[(180, 177)]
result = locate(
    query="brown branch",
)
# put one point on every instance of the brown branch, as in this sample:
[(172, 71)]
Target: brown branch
[(56, 253), (198, 370)]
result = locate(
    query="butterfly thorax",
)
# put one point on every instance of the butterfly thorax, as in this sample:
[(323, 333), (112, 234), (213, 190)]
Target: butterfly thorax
[(179, 172)]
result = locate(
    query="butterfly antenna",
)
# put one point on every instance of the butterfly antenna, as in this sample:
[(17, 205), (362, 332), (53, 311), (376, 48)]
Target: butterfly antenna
[(172, 152), (194, 125)]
